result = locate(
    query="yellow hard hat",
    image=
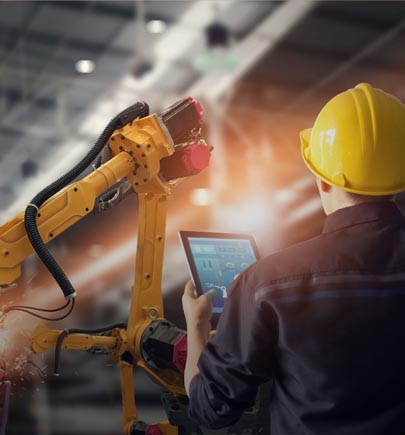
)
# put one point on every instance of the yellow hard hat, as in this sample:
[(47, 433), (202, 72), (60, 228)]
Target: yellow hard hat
[(358, 142)]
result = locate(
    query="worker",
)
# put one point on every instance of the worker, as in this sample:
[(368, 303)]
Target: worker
[(323, 319)]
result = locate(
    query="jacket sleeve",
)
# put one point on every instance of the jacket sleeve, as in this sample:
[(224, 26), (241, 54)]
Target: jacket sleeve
[(235, 361)]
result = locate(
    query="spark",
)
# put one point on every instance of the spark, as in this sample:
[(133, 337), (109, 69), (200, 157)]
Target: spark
[(40, 371)]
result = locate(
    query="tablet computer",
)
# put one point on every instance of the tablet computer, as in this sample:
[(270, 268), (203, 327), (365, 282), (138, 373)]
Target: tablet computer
[(215, 260)]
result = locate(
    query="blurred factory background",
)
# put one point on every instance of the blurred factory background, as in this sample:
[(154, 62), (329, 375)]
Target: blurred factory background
[(262, 71)]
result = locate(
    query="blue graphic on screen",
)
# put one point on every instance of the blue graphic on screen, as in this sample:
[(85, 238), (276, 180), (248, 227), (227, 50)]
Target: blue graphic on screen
[(219, 262)]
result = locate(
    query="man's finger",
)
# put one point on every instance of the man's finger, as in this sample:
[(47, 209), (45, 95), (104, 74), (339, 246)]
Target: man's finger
[(189, 289)]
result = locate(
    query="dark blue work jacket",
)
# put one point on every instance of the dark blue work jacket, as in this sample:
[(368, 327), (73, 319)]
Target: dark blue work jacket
[(325, 320)]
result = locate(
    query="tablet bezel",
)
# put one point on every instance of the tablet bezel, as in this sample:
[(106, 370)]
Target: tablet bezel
[(184, 238)]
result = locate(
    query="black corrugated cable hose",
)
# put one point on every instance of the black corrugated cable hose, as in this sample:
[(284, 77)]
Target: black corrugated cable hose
[(140, 109)]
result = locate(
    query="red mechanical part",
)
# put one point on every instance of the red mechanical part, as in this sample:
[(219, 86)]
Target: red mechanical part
[(153, 429), (188, 161), (196, 157), (198, 108), (180, 354)]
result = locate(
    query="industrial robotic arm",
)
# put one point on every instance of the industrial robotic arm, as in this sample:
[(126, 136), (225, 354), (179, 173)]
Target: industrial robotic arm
[(152, 154)]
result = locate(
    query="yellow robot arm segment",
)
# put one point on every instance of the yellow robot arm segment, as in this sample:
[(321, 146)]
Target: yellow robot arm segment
[(137, 150), (44, 338), (58, 214)]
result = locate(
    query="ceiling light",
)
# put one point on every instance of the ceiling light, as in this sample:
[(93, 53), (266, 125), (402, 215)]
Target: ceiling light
[(218, 55), (85, 66), (201, 197), (217, 35), (156, 26), (29, 168)]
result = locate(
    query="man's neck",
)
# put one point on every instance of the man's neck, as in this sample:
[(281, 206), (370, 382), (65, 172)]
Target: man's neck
[(343, 199)]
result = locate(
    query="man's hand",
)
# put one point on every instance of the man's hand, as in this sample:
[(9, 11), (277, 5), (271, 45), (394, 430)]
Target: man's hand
[(198, 313), (197, 310)]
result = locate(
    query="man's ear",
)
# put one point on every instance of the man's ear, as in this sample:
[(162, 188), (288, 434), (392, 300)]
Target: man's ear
[(325, 187)]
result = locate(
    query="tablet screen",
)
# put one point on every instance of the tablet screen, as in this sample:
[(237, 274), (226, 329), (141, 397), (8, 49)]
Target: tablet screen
[(215, 261)]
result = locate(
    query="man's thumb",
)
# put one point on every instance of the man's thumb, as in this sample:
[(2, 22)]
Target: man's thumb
[(210, 294)]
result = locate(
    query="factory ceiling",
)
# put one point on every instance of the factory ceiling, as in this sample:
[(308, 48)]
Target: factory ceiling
[(291, 57)]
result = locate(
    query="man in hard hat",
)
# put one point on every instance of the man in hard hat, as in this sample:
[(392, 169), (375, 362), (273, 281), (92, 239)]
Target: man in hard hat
[(324, 319)]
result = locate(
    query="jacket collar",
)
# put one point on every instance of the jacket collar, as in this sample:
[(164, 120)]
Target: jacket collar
[(362, 213)]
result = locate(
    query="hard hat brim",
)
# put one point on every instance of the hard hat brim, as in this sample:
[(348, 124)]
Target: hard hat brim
[(305, 137)]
